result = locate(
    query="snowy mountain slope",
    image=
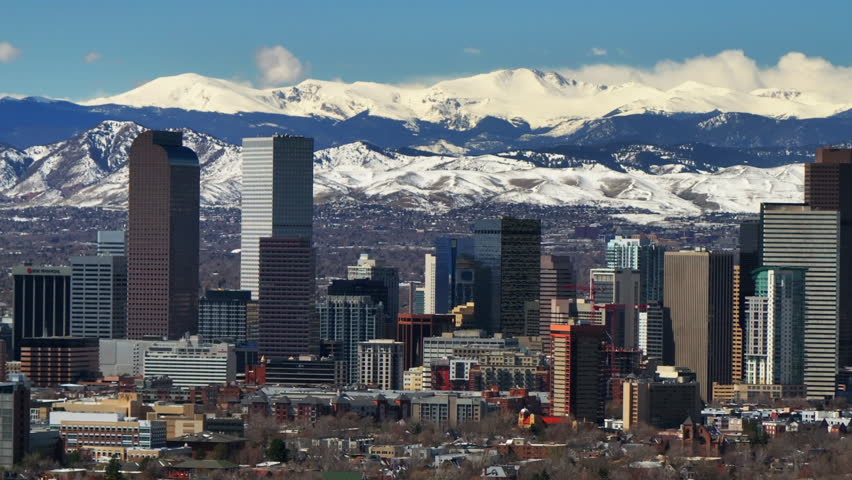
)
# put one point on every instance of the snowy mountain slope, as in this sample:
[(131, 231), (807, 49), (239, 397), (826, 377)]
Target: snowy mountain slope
[(540, 99), (91, 170)]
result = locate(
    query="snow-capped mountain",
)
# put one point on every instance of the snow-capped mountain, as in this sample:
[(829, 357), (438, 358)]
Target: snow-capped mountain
[(90, 169), (542, 100)]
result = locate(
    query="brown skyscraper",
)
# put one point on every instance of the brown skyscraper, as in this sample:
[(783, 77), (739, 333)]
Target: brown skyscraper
[(578, 371), (699, 294), (162, 243), (288, 324), (556, 283)]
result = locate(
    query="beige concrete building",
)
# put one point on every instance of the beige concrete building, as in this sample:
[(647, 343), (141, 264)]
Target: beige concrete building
[(661, 403), (699, 295)]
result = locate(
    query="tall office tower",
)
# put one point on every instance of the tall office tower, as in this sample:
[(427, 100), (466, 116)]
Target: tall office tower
[(652, 331), (42, 304), (14, 422), (699, 296), (618, 290), (420, 301), (798, 235), (775, 327), (748, 260), (380, 364), (99, 296), (578, 371), (350, 320), (430, 286), (508, 251), (111, 242), (162, 237), (448, 251), (370, 268), (639, 254), (223, 314), (277, 197), (556, 282), (287, 323)]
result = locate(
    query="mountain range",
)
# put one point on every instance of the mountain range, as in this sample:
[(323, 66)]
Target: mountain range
[(90, 169), (488, 113)]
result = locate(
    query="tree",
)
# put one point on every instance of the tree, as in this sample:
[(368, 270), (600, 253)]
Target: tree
[(113, 469), (277, 451)]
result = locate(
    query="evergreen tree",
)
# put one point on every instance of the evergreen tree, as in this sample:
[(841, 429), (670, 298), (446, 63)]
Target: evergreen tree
[(277, 451)]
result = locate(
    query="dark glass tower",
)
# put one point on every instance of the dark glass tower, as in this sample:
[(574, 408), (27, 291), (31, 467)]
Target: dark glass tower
[(447, 253), (42, 304), (508, 251), (163, 237)]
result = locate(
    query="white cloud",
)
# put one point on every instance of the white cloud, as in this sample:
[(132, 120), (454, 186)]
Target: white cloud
[(598, 52), (730, 69), (8, 52), (471, 51), (92, 57), (278, 66)]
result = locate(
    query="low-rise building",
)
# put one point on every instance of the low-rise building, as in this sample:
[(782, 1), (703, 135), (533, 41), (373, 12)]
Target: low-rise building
[(448, 410), (662, 402), (191, 362)]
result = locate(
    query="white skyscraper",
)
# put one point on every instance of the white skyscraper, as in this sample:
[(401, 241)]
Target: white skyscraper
[(277, 197), (111, 242), (430, 284)]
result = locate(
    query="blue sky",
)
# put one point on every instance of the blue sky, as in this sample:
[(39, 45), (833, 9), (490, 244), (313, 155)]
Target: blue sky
[(398, 42)]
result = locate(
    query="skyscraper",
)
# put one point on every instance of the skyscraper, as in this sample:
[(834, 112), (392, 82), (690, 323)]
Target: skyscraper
[(508, 251), (619, 291), (99, 296), (42, 304), (14, 422), (430, 283), (747, 260), (277, 197), (556, 283), (643, 255), (448, 251), (380, 364), (223, 315), (350, 320), (373, 269), (163, 237), (578, 371), (699, 294), (774, 332), (799, 235), (287, 324)]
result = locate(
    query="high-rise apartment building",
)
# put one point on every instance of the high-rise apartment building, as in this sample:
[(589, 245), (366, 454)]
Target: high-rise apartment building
[(430, 283), (799, 235), (14, 422), (162, 236), (618, 292), (643, 255), (111, 242), (651, 339), (699, 296), (42, 304), (350, 320), (277, 197), (223, 315), (99, 296), (774, 327), (556, 282), (380, 364), (578, 376), (508, 251), (372, 269), (287, 322)]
